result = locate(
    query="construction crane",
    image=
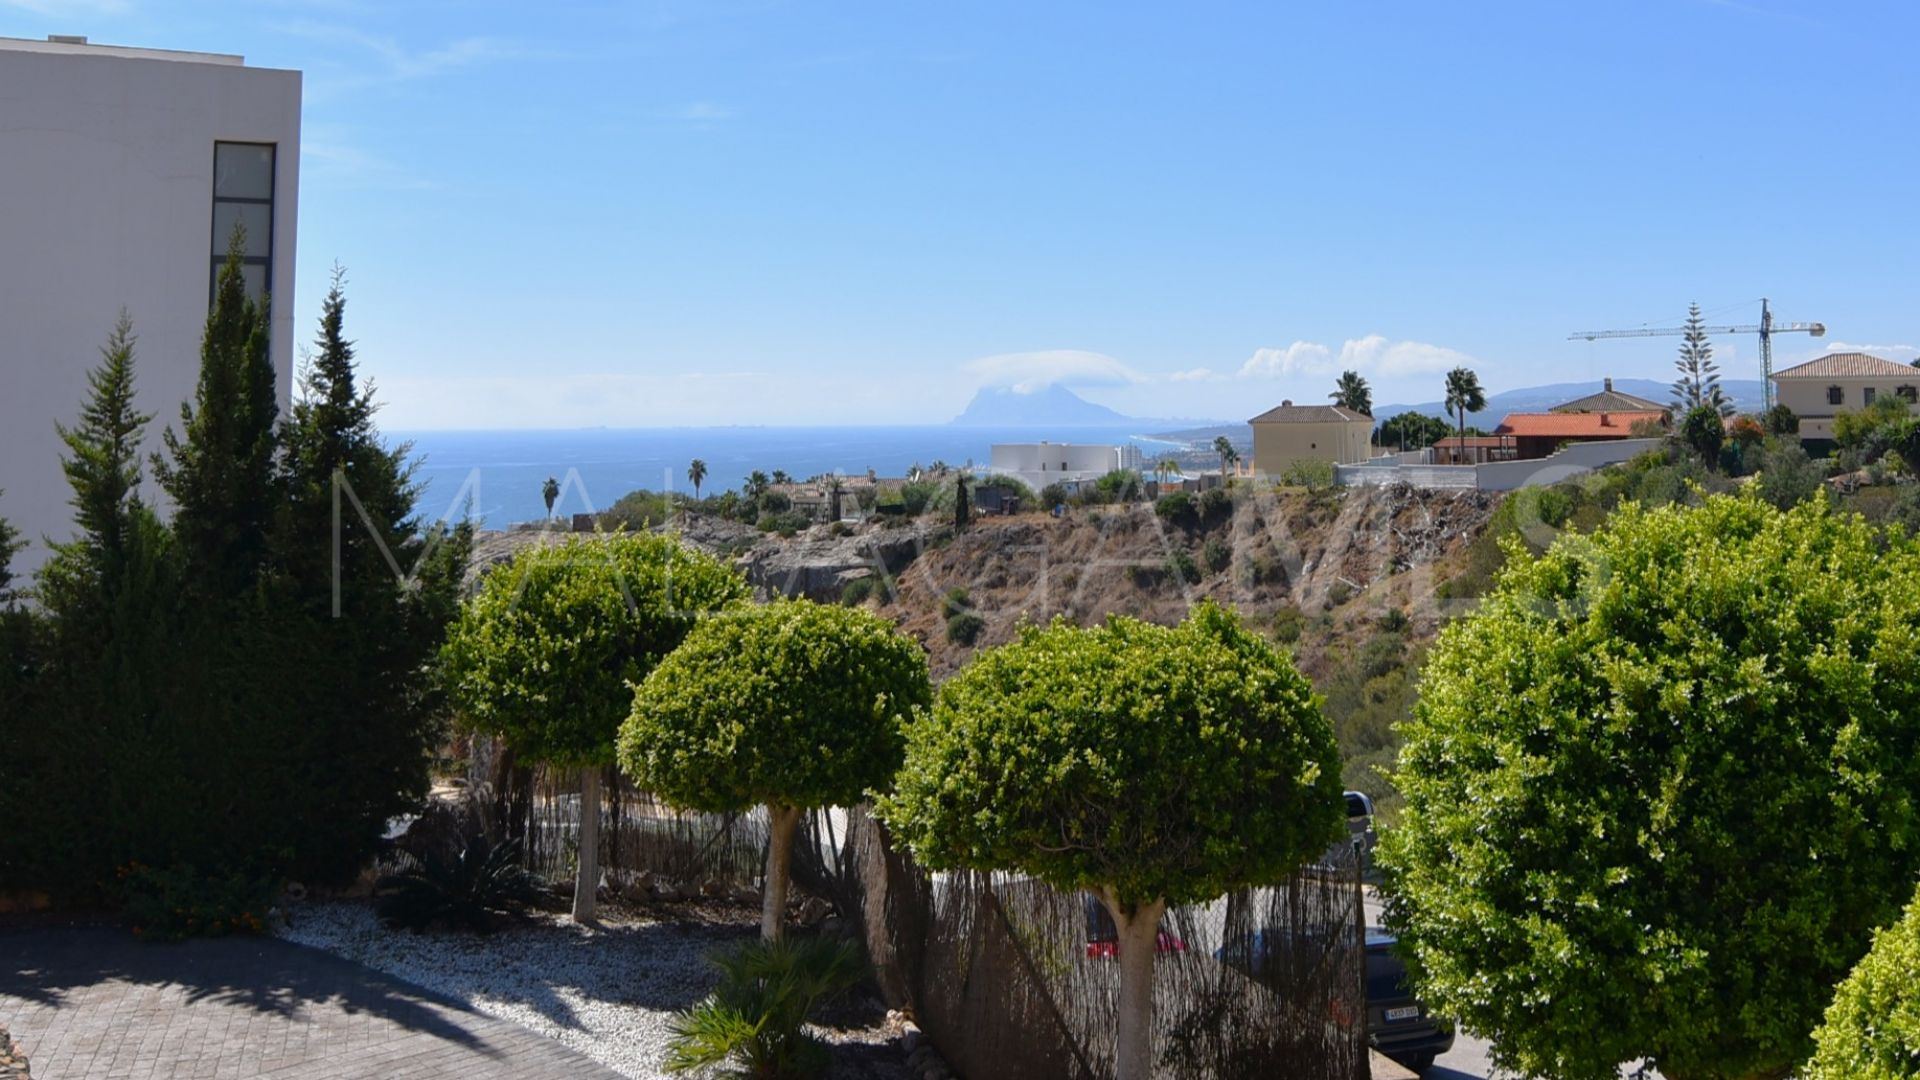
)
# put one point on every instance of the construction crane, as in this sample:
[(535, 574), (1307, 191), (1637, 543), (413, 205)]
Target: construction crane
[(1766, 328)]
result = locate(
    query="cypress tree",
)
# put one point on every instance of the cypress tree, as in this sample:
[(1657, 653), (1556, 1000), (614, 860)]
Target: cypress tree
[(357, 598), (102, 465), (219, 468), (10, 543)]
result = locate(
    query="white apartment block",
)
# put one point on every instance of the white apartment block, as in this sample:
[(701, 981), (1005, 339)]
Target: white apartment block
[(1042, 463), (122, 173)]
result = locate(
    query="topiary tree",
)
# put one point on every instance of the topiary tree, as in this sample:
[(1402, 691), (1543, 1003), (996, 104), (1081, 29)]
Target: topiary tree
[(1149, 765), (545, 653), (793, 706), (1872, 1030), (1660, 786)]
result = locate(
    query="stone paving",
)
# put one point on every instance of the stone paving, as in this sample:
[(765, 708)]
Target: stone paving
[(94, 1003)]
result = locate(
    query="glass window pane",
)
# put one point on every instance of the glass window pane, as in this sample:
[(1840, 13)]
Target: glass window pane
[(242, 171), (256, 218), (255, 276)]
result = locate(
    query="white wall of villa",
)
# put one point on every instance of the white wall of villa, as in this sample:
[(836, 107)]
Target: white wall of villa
[(107, 201), (1042, 463)]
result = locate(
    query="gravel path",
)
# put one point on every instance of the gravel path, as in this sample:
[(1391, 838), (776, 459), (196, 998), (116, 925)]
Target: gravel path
[(607, 993)]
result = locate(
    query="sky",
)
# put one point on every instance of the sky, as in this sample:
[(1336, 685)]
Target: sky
[(736, 212)]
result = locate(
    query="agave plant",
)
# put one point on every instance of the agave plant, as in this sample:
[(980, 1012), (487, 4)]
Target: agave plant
[(753, 1025), (463, 886)]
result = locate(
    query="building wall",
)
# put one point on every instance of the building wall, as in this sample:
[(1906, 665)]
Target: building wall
[(1575, 459), (1042, 463), (106, 202), (1808, 399), (1277, 445)]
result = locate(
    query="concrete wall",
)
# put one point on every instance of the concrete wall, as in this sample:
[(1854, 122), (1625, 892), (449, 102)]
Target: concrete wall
[(106, 201), (1042, 463), (1574, 460), (1808, 399), (1277, 445)]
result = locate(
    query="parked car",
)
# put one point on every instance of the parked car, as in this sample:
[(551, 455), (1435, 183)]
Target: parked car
[(1398, 1025)]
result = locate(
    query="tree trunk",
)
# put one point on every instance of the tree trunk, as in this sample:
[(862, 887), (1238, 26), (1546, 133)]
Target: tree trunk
[(586, 880), (783, 821), (1138, 937)]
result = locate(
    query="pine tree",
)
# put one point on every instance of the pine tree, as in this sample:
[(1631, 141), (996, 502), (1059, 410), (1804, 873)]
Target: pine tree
[(103, 468), (338, 597), (9, 545), (1699, 381), (219, 468)]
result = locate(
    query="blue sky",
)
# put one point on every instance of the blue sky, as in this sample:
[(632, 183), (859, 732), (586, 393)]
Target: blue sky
[(776, 213)]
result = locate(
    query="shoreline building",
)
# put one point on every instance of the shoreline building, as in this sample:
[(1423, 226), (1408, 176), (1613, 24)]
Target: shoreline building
[(1039, 464), (124, 171)]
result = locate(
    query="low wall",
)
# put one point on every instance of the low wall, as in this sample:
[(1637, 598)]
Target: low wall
[(1570, 461)]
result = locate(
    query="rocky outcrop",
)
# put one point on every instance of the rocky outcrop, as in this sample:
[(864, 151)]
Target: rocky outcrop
[(820, 565)]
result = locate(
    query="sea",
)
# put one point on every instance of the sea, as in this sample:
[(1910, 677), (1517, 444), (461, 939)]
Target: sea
[(494, 478)]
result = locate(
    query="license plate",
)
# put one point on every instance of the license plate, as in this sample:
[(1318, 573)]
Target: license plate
[(1407, 1012)]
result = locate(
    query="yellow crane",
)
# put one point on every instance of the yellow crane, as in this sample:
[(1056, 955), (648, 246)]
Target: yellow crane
[(1766, 328)]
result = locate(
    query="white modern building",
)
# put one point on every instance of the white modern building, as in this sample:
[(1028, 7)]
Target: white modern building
[(122, 174), (1042, 463)]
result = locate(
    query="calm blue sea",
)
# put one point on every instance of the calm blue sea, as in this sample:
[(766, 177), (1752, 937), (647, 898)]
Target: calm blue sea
[(500, 472)]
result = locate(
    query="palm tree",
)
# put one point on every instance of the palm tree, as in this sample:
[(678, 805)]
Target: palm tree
[(1224, 447), (1166, 469), (1352, 392), (1464, 395), (780, 477), (550, 491), (696, 472), (835, 486), (756, 484)]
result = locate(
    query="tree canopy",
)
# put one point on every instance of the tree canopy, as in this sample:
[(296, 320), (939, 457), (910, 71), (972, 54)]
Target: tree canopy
[(1660, 786), (791, 703), (1352, 392), (1169, 763), (1872, 1029), (544, 653)]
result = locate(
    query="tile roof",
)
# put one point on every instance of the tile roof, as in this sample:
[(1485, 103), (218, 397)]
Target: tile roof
[(1556, 425), (1608, 401), (1288, 413), (1848, 365)]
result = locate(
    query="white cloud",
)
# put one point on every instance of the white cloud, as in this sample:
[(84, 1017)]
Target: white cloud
[(1900, 353), (1299, 358), (1370, 355), (1027, 372), (1198, 374)]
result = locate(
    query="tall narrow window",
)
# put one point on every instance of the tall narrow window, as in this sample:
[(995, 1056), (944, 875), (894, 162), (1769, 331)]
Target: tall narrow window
[(1868, 396), (1834, 395), (243, 199)]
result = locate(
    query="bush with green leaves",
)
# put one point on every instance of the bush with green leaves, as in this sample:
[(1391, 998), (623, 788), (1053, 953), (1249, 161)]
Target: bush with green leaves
[(754, 1022), (546, 653), (1660, 786), (1787, 477), (1872, 1029), (464, 885), (177, 902), (791, 705), (1181, 567), (1310, 474), (1177, 508), (1703, 431), (1148, 765), (1217, 553)]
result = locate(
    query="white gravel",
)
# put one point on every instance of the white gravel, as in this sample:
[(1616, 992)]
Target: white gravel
[(607, 993)]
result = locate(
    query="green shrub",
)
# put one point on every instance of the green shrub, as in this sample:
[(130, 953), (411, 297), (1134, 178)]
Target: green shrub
[(1707, 702), (786, 522), (964, 627), (1053, 495), (461, 887), (1177, 508), (1338, 593), (1872, 1029), (1787, 477), (1217, 554), (1312, 475), (860, 590), (1288, 621), (1216, 505), (755, 1019), (1181, 567), (954, 602), (1392, 621), (180, 902)]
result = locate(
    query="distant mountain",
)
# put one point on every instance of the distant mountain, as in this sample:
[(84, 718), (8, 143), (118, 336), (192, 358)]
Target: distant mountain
[(1055, 406), (1744, 392)]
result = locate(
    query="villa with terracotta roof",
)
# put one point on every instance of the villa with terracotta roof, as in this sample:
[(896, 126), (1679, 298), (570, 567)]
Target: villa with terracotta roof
[(1289, 433), (1819, 389), (1603, 417)]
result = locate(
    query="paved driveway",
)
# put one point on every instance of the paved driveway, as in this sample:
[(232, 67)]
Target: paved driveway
[(94, 1003)]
